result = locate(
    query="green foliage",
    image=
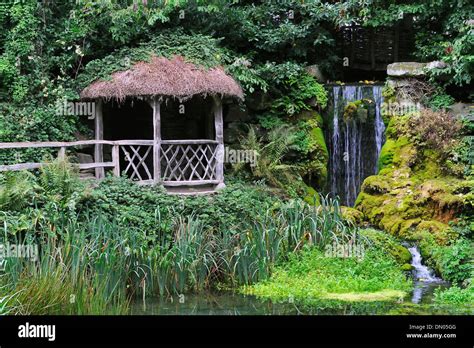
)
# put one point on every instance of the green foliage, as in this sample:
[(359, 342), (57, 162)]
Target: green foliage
[(311, 276), (389, 244), (311, 151), (199, 49), (292, 88), (147, 242), (270, 151), (17, 190), (138, 207), (455, 296), (455, 262), (440, 101)]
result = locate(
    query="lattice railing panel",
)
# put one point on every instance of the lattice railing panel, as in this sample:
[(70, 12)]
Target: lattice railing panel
[(188, 162), (136, 156)]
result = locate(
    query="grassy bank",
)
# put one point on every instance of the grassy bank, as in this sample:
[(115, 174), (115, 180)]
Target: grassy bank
[(312, 276)]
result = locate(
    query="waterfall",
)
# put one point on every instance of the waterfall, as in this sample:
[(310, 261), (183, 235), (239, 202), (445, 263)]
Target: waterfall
[(422, 273), (379, 125), (354, 145), (424, 279)]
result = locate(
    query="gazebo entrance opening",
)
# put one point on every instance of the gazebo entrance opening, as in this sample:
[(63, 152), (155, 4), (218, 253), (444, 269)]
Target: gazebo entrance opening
[(131, 119)]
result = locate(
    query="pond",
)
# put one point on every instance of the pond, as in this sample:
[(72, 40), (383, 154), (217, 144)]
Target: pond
[(419, 301), (230, 303)]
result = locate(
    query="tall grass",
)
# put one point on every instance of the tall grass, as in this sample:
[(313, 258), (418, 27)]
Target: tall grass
[(91, 265), (255, 247)]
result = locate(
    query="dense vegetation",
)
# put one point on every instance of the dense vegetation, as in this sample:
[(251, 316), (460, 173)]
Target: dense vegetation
[(104, 244)]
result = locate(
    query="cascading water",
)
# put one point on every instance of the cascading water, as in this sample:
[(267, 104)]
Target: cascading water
[(425, 282), (354, 144)]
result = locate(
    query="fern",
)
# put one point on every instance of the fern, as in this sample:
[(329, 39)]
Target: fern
[(270, 151), (17, 190)]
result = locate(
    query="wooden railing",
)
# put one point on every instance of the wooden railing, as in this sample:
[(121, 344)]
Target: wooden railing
[(187, 162), (182, 162)]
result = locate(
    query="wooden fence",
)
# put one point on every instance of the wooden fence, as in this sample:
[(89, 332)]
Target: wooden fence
[(181, 162)]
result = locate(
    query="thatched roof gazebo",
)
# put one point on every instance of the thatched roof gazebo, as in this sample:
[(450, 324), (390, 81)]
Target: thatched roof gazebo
[(166, 117)]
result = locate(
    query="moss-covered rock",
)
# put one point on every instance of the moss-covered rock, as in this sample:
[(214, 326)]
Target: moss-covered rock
[(311, 197), (353, 215), (313, 154), (389, 244), (411, 193), (375, 185)]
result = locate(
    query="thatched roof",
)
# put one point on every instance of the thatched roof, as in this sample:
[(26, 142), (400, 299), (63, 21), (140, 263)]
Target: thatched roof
[(164, 77)]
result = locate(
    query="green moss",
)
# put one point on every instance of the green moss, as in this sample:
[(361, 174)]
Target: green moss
[(375, 185), (440, 231), (312, 196), (407, 267), (410, 193), (384, 295), (313, 151), (353, 215), (386, 153), (389, 244), (317, 138)]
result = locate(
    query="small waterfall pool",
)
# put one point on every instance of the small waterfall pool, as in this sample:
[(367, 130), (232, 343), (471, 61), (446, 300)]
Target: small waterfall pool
[(354, 145), (425, 282)]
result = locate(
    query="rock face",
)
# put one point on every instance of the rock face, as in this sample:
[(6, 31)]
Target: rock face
[(406, 69)]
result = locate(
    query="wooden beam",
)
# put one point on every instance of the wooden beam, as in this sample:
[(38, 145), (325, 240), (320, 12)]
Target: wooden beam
[(41, 144), (189, 142), (21, 166), (101, 165), (219, 125), (116, 159), (28, 166), (189, 183), (156, 140), (99, 135)]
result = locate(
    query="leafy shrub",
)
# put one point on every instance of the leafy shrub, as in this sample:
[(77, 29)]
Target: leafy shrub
[(440, 101), (455, 296), (438, 130), (455, 261)]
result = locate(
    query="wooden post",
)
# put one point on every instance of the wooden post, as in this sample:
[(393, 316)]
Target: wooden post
[(219, 125), (156, 140), (99, 135), (62, 153), (116, 159)]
